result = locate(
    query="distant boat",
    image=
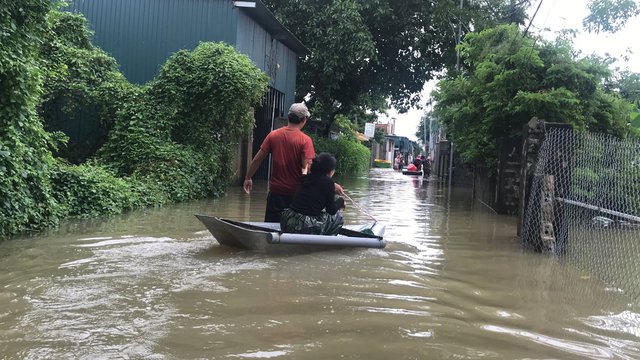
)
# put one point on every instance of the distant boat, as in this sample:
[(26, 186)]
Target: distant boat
[(267, 237), (409, 172), (379, 163)]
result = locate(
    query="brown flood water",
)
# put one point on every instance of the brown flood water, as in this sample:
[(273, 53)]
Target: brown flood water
[(453, 282)]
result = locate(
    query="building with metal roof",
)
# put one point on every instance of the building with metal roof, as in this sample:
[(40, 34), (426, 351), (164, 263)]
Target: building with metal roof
[(142, 34)]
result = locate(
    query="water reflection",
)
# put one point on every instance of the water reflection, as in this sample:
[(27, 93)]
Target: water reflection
[(452, 283)]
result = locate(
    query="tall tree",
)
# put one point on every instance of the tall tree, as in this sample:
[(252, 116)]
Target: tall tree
[(512, 78), (628, 86), (364, 52), (422, 133), (609, 15)]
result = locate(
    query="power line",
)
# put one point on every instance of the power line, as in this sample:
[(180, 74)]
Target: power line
[(533, 17), (458, 38), (535, 40), (549, 13)]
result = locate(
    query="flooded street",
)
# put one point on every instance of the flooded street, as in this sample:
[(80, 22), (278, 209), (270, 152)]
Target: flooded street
[(452, 282)]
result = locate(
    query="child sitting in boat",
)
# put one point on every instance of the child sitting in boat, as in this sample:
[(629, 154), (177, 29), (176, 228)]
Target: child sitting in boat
[(315, 208)]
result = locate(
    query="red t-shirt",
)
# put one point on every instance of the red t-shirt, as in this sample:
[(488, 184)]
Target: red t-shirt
[(288, 147)]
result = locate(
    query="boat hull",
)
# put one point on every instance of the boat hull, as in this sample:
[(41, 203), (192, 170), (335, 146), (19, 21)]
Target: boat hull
[(267, 237)]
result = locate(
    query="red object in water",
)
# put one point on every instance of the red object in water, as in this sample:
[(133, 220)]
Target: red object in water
[(412, 167)]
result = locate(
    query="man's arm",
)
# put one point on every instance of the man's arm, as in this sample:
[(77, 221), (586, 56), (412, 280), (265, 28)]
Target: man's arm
[(308, 153), (253, 167), (306, 166)]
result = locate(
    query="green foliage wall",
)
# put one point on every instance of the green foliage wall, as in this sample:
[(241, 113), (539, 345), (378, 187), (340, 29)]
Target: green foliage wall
[(82, 84), (26, 197), (171, 140)]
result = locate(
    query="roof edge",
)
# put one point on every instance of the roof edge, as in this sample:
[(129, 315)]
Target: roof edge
[(263, 16)]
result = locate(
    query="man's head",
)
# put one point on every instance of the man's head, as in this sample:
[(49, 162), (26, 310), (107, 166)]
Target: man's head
[(298, 112)]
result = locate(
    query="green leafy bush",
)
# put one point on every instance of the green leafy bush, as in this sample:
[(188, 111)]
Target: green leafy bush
[(352, 157), (89, 190), (179, 130), (82, 85), (209, 93), (184, 174)]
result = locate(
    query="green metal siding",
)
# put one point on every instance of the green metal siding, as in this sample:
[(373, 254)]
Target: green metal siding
[(289, 70), (269, 54), (142, 34)]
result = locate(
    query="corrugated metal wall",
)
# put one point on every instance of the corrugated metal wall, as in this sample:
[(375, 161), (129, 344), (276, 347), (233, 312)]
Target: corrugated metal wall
[(269, 54), (142, 34), (290, 68)]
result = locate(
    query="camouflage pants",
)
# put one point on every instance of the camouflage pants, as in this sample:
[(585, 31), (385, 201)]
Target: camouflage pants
[(324, 224)]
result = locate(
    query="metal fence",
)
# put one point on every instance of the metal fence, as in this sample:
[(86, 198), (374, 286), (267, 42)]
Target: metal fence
[(584, 204)]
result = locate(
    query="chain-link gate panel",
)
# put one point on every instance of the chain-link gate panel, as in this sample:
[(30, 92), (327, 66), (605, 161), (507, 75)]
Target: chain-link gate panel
[(584, 203)]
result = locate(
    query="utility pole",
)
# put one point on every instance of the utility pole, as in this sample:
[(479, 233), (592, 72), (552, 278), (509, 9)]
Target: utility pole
[(458, 38), (424, 134)]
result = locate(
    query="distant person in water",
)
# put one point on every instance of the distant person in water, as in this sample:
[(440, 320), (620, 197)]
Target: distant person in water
[(315, 208), (427, 166), (418, 162), (398, 162)]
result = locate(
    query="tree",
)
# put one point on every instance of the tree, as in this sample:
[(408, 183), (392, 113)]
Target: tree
[(628, 85), (609, 15), (512, 78), (364, 52), (422, 133)]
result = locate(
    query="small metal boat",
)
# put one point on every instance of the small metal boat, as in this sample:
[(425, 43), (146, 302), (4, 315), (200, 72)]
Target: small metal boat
[(267, 237)]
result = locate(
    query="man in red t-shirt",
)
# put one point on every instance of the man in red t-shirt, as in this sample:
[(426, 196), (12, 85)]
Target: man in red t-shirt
[(292, 151)]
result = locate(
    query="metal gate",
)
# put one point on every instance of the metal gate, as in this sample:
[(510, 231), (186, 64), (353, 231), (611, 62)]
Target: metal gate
[(272, 107)]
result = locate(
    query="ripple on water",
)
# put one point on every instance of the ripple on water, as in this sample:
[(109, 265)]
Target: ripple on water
[(452, 283), (625, 322), (568, 346), (118, 299)]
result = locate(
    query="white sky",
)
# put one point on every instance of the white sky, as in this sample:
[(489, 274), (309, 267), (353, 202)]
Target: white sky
[(553, 15)]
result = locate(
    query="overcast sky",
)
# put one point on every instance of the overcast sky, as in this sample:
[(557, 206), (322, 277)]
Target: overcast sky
[(554, 15)]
